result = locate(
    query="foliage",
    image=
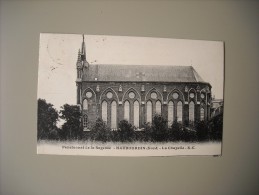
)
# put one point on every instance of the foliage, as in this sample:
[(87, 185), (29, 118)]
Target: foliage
[(179, 132), (126, 131), (189, 135), (155, 131), (159, 128), (202, 130), (147, 132), (176, 132), (71, 128), (47, 120), (99, 131), (216, 127)]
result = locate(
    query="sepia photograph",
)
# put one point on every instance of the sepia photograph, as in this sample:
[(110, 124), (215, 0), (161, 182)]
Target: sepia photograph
[(104, 95)]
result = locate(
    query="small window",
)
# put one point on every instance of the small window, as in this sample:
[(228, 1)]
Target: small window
[(136, 114), (131, 95), (158, 107), (127, 110), (202, 114), (192, 95), (85, 121), (85, 104), (175, 95), (179, 111), (149, 111), (113, 115), (153, 95), (109, 95), (191, 111), (88, 94), (170, 113), (104, 111)]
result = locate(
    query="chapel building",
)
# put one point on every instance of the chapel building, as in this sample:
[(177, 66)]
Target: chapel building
[(137, 92)]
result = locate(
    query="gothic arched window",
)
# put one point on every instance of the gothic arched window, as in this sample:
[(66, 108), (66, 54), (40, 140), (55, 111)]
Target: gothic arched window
[(114, 115), (191, 111), (127, 110), (170, 113), (202, 114), (149, 111), (179, 111), (104, 111), (85, 121), (158, 107), (136, 114), (85, 104)]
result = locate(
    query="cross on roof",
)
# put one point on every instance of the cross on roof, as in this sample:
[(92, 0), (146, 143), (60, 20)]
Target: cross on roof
[(140, 75)]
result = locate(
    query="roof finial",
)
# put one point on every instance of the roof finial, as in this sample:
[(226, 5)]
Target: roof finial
[(83, 38)]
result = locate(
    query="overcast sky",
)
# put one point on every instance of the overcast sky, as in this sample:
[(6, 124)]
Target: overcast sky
[(58, 56)]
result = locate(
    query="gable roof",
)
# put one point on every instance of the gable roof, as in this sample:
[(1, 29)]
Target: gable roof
[(147, 73)]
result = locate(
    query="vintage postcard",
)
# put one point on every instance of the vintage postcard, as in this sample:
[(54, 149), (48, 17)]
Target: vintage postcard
[(129, 96)]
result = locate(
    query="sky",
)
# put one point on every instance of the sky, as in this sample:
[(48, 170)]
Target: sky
[(58, 56)]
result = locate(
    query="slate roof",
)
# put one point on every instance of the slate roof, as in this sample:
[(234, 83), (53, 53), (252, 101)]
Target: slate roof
[(147, 73)]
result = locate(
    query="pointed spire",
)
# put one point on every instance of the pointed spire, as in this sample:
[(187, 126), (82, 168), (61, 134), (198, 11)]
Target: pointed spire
[(83, 53), (79, 56)]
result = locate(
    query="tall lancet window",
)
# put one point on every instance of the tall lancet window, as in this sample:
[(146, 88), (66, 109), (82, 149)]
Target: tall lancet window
[(127, 110), (136, 114), (170, 113), (114, 115), (202, 114), (149, 112), (85, 104), (179, 111), (104, 111), (191, 111), (158, 107)]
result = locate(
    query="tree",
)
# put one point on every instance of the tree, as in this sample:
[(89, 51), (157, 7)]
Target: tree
[(71, 128), (216, 127), (47, 120)]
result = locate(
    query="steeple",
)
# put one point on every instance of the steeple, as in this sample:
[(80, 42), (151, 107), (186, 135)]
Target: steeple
[(81, 64), (83, 55)]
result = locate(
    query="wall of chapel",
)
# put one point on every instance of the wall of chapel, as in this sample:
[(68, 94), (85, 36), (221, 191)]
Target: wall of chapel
[(143, 90)]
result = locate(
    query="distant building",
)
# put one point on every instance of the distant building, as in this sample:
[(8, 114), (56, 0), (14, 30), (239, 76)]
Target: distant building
[(216, 107), (137, 92)]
